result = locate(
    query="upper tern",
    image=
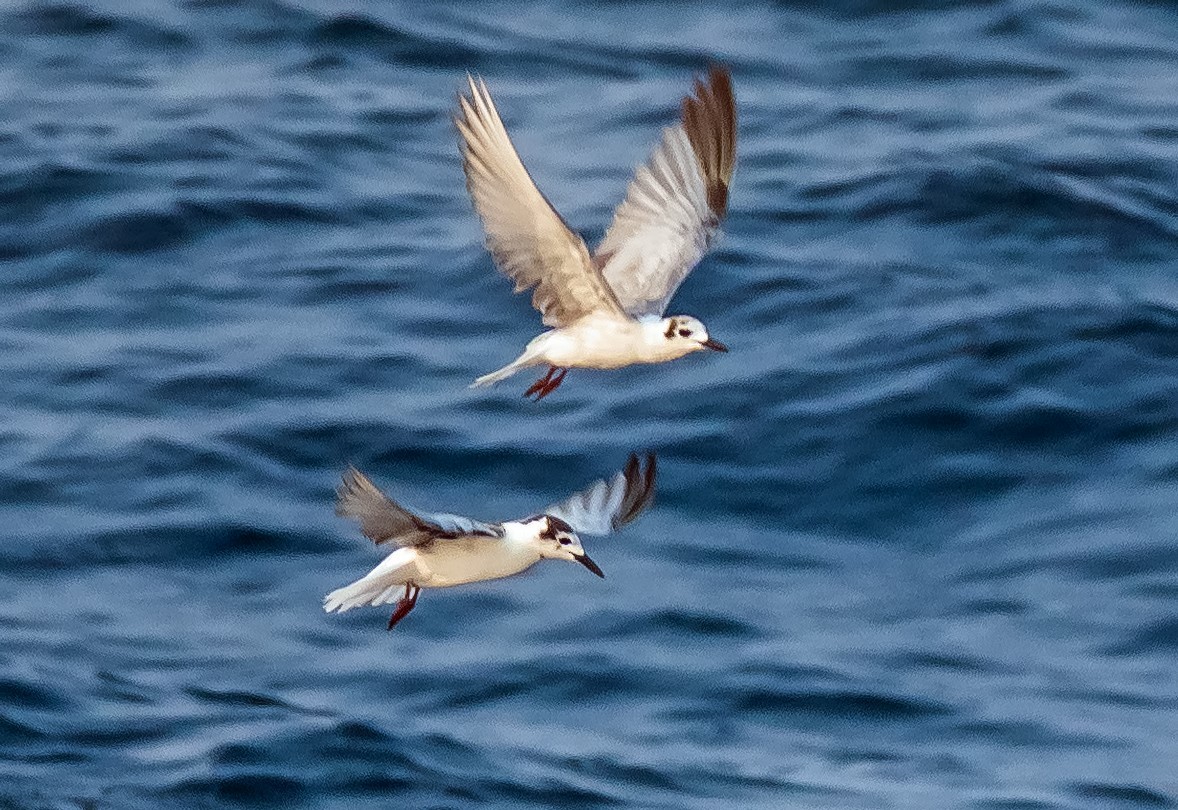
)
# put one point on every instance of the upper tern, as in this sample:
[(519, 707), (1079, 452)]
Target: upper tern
[(438, 551), (605, 309)]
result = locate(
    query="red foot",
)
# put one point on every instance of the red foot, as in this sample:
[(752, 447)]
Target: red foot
[(405, 604), (549, 383), (539, 384)]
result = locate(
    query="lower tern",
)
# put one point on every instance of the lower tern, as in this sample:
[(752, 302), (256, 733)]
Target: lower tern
[(440, 551), (605, 309)]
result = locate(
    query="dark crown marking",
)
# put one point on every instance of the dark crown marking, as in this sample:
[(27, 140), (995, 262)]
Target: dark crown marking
[(555, 525)]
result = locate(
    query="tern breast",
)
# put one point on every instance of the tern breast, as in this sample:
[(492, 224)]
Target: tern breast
[(474, 559), (604, 342)]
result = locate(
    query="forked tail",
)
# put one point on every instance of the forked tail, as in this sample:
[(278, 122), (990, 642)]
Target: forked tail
[(367, 591), (380, 586)]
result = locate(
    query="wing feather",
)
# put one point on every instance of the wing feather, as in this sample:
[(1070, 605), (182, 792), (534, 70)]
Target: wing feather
[(675, 203), (383, 520), (607, 505), (529, 241)]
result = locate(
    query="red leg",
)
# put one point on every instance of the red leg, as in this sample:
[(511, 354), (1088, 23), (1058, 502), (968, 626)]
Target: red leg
[(552, 385), (405, 604), (539, 384)]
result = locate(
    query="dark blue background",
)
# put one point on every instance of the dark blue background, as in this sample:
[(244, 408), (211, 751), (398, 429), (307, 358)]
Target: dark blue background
[(914, 543)]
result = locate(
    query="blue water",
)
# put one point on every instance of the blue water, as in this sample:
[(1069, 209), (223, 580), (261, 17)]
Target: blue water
[(915, 543)]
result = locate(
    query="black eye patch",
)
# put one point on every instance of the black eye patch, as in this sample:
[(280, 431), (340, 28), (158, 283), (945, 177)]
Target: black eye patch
[(564, 541), (684, 333)]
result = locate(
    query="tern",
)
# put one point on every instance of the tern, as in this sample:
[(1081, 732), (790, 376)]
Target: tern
[(440, 551), (605, 309)]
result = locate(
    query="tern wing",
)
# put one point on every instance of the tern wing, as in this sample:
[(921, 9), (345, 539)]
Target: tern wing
[(529, 241), (607, 505), (675, 203), (383, 520), (463, 526)]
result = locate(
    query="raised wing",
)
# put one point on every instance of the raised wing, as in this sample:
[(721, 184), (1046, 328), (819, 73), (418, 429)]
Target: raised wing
[(529, 241), (675, 203), (607, 505), (383, 520)]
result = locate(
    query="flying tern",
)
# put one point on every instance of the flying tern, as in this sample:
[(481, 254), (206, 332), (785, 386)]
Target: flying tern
[(605, 309), (440, 551)]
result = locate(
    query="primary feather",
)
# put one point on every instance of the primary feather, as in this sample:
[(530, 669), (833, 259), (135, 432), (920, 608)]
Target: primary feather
[(607, 505), (675, 203), (529, 241), (383, 520)]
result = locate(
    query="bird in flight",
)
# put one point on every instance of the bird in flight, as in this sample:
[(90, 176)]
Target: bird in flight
[(605, 309), (439, 551)]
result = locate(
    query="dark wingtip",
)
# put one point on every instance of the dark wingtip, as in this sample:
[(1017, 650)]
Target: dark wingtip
[(720, 76), (709, 118), (631, 469), (345, 488), (640, 481), (651, 475)]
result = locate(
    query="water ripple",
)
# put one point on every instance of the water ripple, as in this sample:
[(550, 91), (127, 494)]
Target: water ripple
[(916, 526)]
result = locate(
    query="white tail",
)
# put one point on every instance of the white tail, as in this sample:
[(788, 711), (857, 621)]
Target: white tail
[(501, 374), (367, 591), (380, 586)]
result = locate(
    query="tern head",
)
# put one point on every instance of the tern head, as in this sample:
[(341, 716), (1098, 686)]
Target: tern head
[(688, 333), (558, 541)]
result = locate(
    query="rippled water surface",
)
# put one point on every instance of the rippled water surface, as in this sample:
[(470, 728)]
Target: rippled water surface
[(915, 539)]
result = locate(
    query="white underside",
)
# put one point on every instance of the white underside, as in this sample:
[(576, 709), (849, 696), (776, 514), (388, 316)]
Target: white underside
[(597, 341), (442, 564)]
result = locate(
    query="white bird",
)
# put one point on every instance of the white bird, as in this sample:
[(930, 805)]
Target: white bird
[(439, 551), (605, 310)]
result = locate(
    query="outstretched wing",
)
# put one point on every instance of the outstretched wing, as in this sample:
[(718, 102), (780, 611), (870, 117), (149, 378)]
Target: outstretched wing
[(529, 241), (675, 203), (383, 520), (607, 505)]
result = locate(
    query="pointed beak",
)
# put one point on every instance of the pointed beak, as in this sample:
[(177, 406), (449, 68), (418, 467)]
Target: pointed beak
[(584, 560), (715, 345)]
